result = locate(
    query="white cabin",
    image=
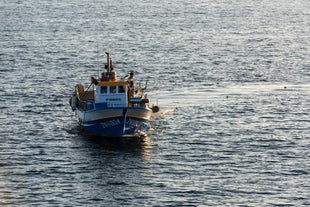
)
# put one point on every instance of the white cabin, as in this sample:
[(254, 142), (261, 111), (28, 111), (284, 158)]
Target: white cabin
[(112, 94)]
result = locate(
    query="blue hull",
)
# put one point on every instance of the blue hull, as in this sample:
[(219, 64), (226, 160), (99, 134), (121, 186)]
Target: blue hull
[(117, 126)]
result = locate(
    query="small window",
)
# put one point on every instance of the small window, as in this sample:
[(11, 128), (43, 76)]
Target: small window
[(121, 89), (113, 89), (104, 89)]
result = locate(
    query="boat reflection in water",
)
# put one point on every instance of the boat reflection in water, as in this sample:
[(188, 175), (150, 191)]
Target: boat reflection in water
[(139, 147)]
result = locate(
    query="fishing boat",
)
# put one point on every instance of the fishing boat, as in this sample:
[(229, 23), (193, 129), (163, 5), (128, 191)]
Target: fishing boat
[(111, 107)]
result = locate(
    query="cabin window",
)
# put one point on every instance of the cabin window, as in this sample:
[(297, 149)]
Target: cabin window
[(121, 89), (113, 89), (104, 89)]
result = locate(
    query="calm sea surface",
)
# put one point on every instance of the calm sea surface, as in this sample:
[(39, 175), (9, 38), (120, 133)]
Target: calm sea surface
[(232, 79)]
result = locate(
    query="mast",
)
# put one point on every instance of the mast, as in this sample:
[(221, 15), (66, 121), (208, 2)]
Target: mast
[(108, 62)]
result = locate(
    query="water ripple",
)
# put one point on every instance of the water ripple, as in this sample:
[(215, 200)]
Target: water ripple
[(232, 80)]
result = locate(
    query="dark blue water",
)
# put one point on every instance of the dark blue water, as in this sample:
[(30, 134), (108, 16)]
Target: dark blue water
[(232, 79)]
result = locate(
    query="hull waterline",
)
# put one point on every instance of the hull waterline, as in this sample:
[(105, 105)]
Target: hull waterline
[(124, 123)]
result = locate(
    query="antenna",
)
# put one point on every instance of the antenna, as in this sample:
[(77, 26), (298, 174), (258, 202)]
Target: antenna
[(98, 65)]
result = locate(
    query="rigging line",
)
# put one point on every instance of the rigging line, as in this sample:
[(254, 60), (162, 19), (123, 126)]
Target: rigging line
[(97, 47)]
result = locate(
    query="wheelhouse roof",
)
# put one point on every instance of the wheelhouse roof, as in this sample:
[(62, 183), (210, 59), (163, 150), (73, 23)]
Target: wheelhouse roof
[(111, 83)]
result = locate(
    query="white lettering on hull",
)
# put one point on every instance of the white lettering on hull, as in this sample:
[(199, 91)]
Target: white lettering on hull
[(132, 123), (111, 123)]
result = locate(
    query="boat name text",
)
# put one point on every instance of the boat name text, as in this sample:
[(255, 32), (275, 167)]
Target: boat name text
[(111, 123)]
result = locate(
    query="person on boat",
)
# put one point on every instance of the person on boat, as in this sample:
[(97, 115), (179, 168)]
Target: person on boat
[(131, 77), (94, 80), (131, 91)]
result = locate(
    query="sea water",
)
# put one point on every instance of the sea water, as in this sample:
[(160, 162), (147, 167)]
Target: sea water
[(231, 79)]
